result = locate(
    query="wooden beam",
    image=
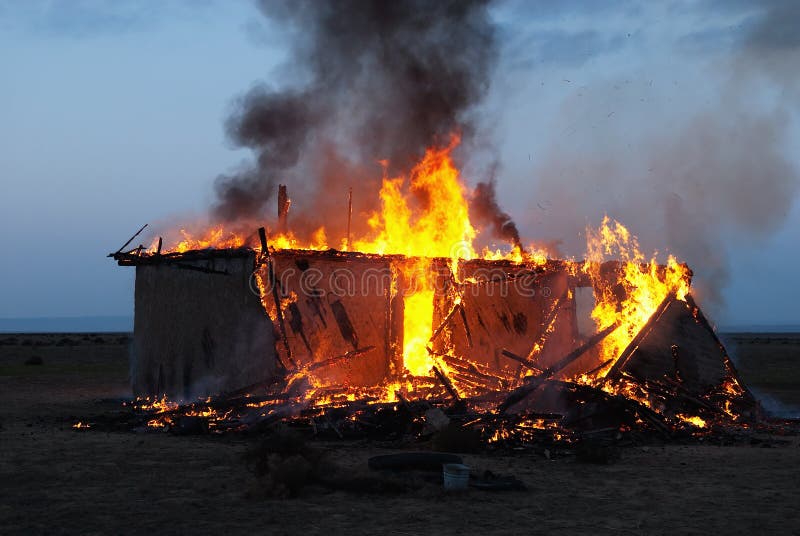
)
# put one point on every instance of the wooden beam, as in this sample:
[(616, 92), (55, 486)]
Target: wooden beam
[(129, 240), (521, 360), (283, 209), (338, 358), (349, 214), (565, 361), (262, 234), (446, 382), (533, 382)]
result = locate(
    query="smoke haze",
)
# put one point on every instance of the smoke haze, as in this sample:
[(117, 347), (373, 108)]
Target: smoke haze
[(690, 149)]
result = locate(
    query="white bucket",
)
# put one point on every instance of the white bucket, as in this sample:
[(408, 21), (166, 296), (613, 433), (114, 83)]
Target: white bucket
[(456, 476)]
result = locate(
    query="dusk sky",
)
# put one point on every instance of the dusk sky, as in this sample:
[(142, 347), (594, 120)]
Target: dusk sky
[(679, 119)]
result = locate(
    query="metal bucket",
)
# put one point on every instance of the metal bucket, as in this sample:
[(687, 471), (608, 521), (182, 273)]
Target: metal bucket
[(456, 476)]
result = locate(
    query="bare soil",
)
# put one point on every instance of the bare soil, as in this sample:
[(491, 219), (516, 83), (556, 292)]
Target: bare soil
[(56, 480)]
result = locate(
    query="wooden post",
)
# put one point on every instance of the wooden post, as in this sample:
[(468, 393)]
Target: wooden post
[(283, 209), (262, 235), (349, 214)]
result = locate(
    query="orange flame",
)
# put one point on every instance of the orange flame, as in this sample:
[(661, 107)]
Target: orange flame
[(213, 237), (430, 218), (644, 285), (425, 215)]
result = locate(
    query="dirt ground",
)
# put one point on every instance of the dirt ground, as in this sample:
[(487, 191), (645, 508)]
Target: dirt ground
[(56, 480)]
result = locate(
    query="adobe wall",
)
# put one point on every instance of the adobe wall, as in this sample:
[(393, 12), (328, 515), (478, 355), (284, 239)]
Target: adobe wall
[(198, 333)]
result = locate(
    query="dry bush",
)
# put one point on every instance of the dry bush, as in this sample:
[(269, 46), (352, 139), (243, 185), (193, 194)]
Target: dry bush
[(285, 464)]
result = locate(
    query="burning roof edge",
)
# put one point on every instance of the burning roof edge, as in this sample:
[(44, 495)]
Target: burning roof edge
[(140, 256)]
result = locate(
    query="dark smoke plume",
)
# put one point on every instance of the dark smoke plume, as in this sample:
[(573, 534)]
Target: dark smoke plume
[(377, 80), (485, 210)]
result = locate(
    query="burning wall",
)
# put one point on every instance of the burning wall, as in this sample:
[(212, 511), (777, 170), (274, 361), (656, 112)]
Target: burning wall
[(208, 322), (201, 327)]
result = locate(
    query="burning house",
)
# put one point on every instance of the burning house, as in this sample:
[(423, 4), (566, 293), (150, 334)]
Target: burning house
[(251, 320), (230, 315)]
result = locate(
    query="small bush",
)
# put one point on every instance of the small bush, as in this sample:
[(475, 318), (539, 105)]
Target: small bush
[(285, 464)]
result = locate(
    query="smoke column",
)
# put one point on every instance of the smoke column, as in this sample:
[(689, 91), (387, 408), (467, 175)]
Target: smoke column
[(371, 80)]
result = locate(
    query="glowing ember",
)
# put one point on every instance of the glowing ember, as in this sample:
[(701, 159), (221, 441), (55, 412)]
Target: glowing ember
[(695, 421)]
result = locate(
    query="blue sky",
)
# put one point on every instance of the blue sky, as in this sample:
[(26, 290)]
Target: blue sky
[(112, 116)]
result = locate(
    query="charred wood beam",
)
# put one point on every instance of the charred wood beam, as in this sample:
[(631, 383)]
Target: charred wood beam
[(463, 314), (262, 234), (129, 241), (438, 331), (339, 358), (485, 383), (283, 209), (349, 214), (470, 368), (459, 307), (533, 382), (624, 403), (134, 258), (626, 354), (445, 381), (521, 360), (600, 367), (271, 385), (548, 327), (453, 361), (565, 361), (521, 393), (676, 390), (470, 381)]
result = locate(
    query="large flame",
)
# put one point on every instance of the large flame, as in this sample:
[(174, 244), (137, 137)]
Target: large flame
[(425, 215), (214, 237), (644, 285)]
